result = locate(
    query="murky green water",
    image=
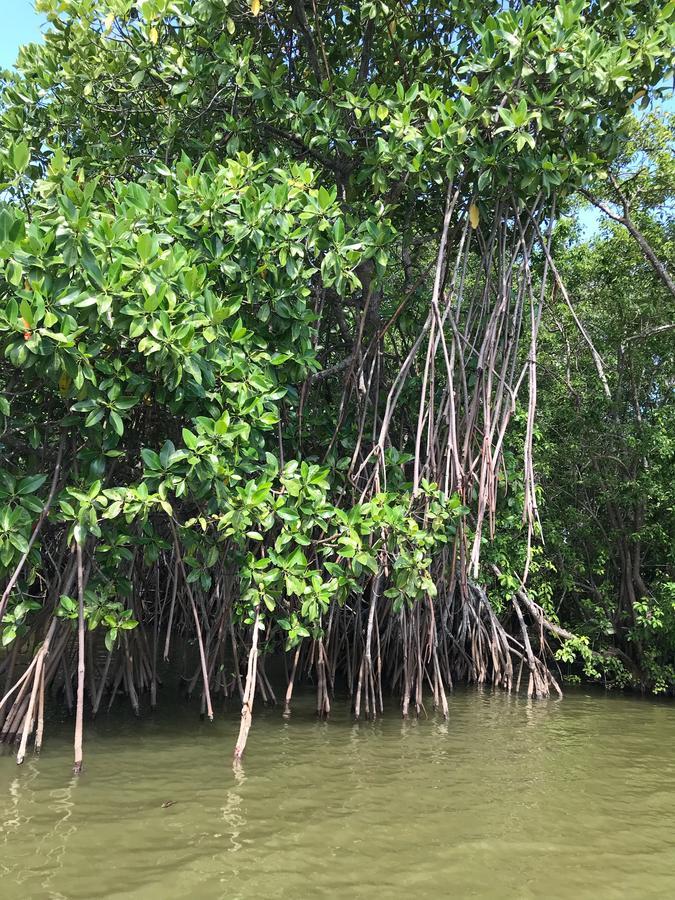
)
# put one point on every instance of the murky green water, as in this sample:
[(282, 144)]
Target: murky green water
[(509, 799)]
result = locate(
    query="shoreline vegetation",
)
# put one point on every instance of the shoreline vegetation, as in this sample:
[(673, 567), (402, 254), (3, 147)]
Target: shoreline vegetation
[(302, 353)]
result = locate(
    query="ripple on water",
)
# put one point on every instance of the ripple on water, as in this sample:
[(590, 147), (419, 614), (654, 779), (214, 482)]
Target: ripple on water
[(509, 798)]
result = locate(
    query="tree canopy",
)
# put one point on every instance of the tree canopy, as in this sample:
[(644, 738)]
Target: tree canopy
[(273, 283)]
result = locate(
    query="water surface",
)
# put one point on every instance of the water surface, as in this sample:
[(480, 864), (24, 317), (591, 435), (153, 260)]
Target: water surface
[(508, 799)]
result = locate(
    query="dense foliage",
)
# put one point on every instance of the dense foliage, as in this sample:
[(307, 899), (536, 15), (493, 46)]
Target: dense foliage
[(607, 464), (273, 278)]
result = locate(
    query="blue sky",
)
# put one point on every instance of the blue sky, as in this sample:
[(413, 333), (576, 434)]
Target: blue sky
[(20, 25)]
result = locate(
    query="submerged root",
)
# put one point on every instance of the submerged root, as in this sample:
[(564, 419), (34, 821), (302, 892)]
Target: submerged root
[(249, 692), (366, 647)]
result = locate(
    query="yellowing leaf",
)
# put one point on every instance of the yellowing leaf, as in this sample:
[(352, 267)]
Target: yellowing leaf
[(154, 35), (230, 26), (108, 22), (474, 215), (638, 96), (64, 383), (391, 27), (255, 7)]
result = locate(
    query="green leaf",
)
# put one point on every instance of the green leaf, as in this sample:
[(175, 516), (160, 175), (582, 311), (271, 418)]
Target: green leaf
[(19, 541), (20, 156), (8, 635), (116, 422), (325, 199), (68, 604), (94, 418), (13, 271), (189, 439), (147, 246), (30, 484), (26, 312), (239, 331), (6, 222), (110, 638), (91, 266), (151, 459)]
